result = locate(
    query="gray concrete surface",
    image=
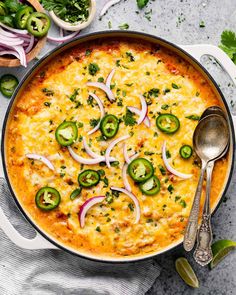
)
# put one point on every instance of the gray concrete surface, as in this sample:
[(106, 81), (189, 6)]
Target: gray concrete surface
[(178, 21)]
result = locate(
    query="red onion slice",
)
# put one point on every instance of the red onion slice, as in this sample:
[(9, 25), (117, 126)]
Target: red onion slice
[(94, 155), (169, 167), (62, 39), (7, 34), (126, 156), (9, 52), (20, 32), (137, 111), (133, 198), (103, 87), (111, 146), (86, 161), (100, 104), (108, 5), (86, 206), (125, 179), (42, 159), (109, 78), (144, 109), (30, 45)]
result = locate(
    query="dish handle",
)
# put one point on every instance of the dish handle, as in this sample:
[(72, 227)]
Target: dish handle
[(198, 50), (38, 242)]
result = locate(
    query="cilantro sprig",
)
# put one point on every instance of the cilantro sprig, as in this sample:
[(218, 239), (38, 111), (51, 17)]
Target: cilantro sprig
[(228, 44)]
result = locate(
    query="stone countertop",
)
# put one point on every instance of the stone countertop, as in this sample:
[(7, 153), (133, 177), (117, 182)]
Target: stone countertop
[(178, 21)]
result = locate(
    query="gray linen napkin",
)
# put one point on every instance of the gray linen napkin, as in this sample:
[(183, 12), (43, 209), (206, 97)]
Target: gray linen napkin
[(48, 272)]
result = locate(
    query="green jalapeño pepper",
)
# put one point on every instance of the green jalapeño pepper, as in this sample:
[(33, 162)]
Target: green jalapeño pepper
[(168, 123), (150, 187), (47, 198), (186, 151), (140, 170), (3, 8), (88, 178), (8, 84), (109, 126), (22, 16), (66, 133), (38, 24)]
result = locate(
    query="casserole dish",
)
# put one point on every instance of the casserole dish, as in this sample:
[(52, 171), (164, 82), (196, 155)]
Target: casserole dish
[(43, 239)]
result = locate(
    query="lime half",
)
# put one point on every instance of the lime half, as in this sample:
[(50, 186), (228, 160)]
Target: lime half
[(220, 249), (186, 272)]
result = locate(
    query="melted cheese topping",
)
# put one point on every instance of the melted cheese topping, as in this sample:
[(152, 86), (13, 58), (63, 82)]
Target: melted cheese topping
[(48, 100)]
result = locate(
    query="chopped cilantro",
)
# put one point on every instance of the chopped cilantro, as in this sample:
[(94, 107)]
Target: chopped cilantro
[(130, 56), (47, 104), (170, 188), (142, 3), (183, 203), (87, 52), (101, 79), (98, 229), (93, 69), (165, 107), (94, 122), (162, 169), (117, 230), (193, 117), (175, 86), (131, 207), (202, 24), (228, 44), (48, 92), (124, 26), (129, 119)]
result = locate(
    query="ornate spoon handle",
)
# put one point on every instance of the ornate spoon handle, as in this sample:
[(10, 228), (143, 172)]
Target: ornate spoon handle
[(192, 225), (203, 253)]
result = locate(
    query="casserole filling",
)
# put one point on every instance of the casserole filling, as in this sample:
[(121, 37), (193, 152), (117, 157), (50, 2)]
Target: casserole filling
[(112, 137)]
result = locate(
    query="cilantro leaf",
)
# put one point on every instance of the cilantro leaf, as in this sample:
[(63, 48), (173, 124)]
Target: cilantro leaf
[(142, 3), (228, 44), (129, 119)]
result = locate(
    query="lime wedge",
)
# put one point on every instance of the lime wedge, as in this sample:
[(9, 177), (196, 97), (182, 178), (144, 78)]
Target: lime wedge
[(186, 272), (220, 249)]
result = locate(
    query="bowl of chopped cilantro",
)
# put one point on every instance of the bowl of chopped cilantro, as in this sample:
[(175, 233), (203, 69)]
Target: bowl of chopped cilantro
[(72, 15)]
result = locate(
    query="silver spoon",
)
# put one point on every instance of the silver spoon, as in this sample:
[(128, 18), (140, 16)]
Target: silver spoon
[(210, 139), (203, 253)]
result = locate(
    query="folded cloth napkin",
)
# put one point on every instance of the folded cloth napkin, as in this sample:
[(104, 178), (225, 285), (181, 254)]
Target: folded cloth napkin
[(48, 272)]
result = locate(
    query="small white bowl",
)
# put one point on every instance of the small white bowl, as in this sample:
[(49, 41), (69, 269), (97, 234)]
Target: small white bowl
[(77, 26)]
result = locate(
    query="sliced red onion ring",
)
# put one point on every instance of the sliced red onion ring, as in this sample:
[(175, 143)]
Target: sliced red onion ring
[(110, 147), (169, 167), (30, 45), (94, 155), (134, 199), (108, 5), (137, 111), (103, 87), (9, 52), (144, 109), (86, 206), (42, 159), (20, 32), (10, 41), (125, 179), (62, 39), (86, 161), (61, 32), (99, 102), (7, 34), (126, 156), (109, 78)]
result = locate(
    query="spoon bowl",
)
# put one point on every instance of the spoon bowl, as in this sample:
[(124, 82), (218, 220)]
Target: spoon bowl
[(211, 137), (213, 110)]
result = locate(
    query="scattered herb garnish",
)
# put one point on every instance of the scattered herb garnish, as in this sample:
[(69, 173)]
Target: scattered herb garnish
[(124, 26), (48, 92), (202, 24), (142, 3), (93, 68), (193, 117), (129, 119)]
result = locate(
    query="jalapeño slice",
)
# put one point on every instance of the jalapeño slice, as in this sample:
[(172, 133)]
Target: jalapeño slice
[(8, 84), (140, 170), (168, 123), (47, 198), (186, 151), (151, 186), (22, 16), (38, 24), (66, 133), (88, 178), (109, 126)]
